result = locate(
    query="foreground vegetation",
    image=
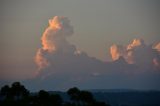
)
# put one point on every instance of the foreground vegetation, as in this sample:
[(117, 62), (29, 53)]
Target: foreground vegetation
[(18, 95)]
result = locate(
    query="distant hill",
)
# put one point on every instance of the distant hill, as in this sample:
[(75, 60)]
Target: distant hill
[(112, 90), (122, 97), (129, 98)]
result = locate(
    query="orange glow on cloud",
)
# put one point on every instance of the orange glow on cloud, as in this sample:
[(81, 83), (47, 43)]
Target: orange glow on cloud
[(50, 34), (54, 23), (156, 63), (40, 60), (125, 51), (46, 43), (130, 50), (53, 39), (136, 52), (135, 43), (115, 52), (157, 47)]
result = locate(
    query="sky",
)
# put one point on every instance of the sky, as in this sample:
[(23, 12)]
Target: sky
[(95, 28)]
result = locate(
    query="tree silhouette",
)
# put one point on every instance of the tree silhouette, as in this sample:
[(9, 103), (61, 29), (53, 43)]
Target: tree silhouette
[(5, 94), (44, 98), (56, 100), (83, 98), (99, 104), (74, 94), (18, 95), (19, 91), (86, 97), (5, 91)]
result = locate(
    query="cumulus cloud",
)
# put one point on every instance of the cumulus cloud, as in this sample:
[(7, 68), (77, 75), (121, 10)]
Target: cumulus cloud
[(55, 35), (128, 51), (157, 47), (156, 60), (135, 43), (54, 40), (137, 52), (40, 59), (117, 51), (62, 65), (57, 55)]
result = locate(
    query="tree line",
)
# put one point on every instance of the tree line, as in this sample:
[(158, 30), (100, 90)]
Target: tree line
[(18, 95)]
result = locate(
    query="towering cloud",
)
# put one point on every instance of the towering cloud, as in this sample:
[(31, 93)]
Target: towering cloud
[(55, 35), (54, 40), (59, 61)]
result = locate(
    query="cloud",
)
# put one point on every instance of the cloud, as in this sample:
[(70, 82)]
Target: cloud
[(137, 52), (127, 51), (55, 35), (62, 65), (156, 60), (135, 43), (117, 51), (57, 55), (54, 40), (40, 59), (157, 47)]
